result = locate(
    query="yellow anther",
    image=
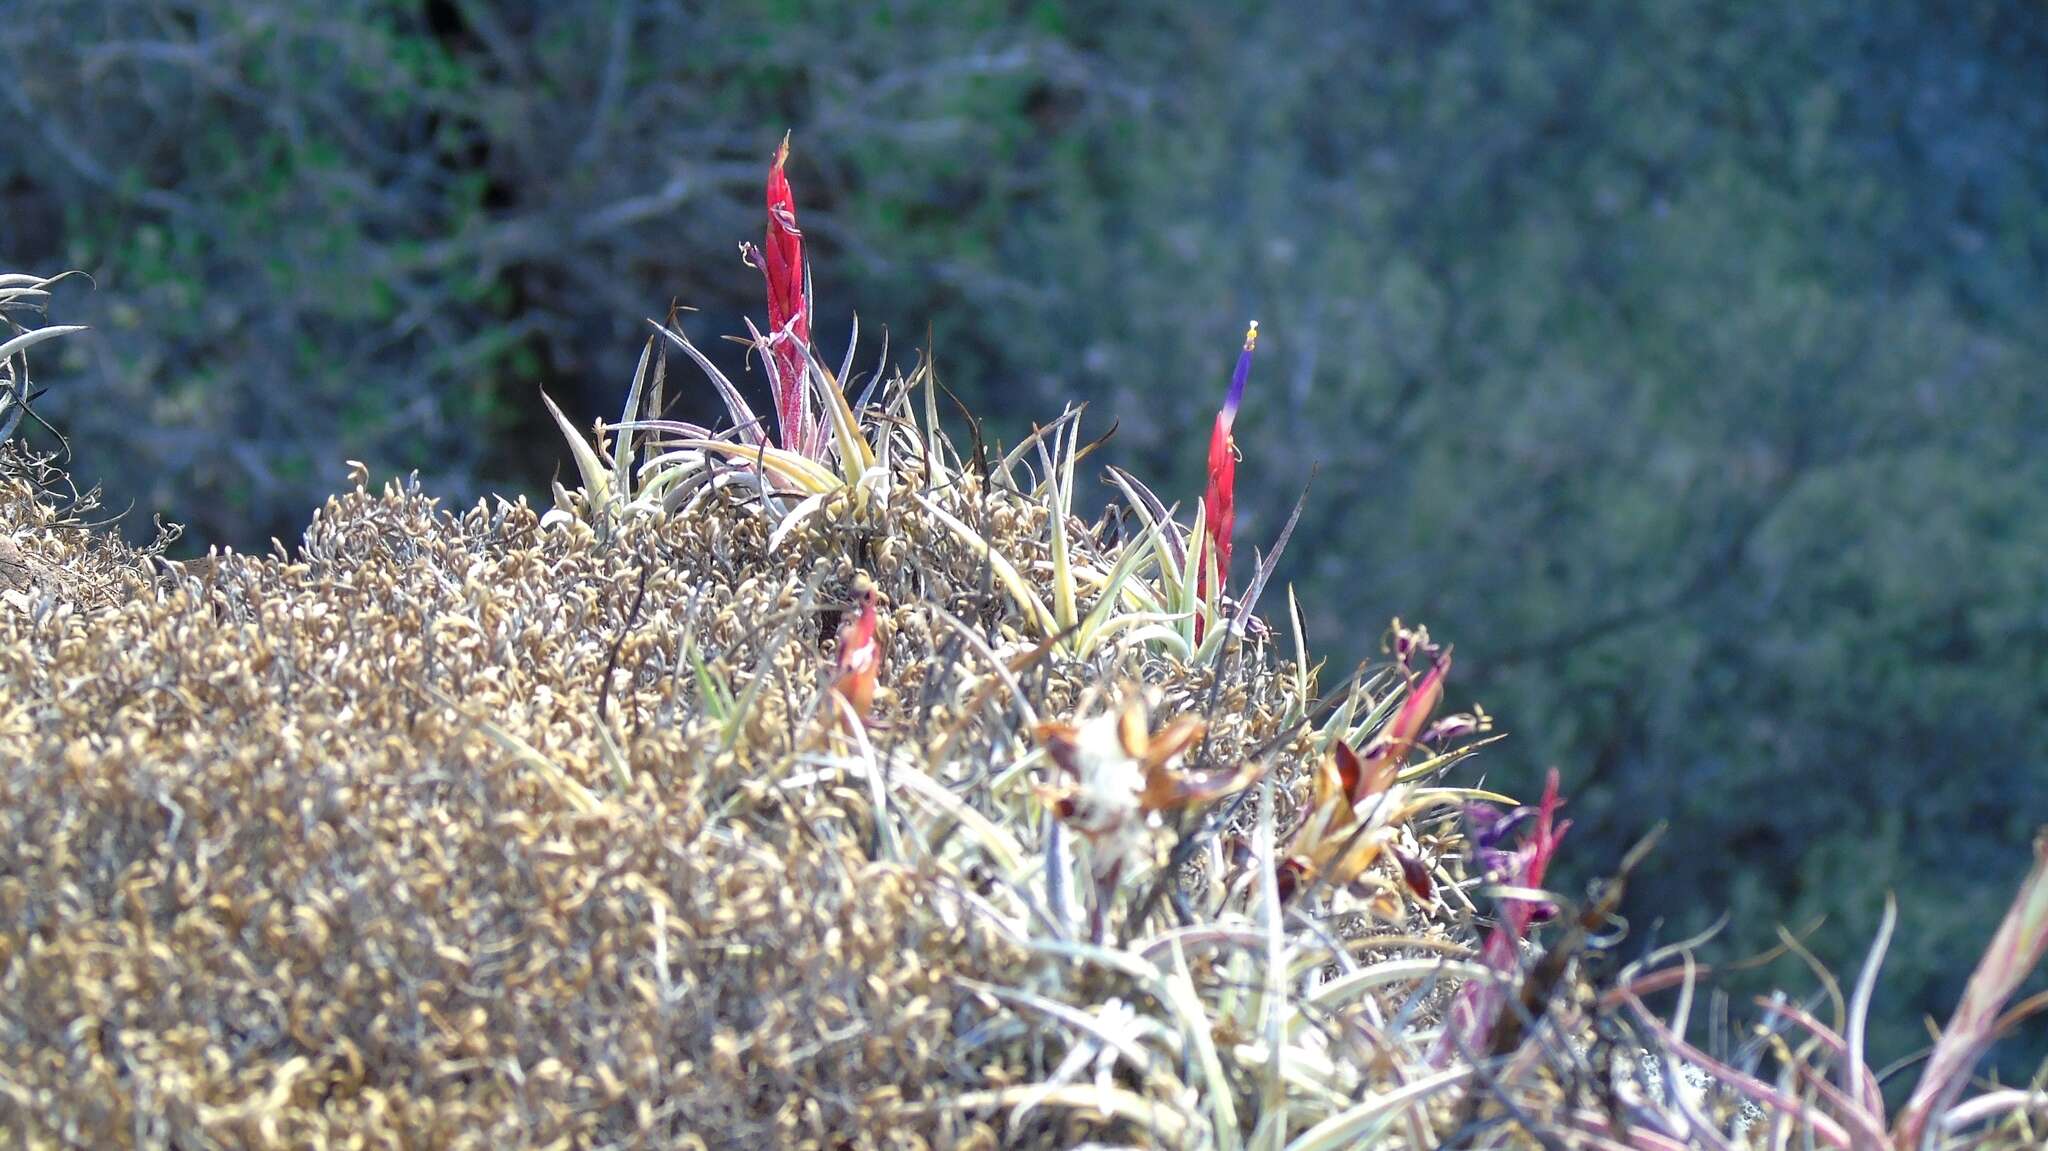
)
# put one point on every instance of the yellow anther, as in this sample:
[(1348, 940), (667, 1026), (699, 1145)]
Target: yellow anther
[(1251, 336)]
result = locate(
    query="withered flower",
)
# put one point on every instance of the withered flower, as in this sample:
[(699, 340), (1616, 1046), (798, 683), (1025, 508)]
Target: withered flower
[(1119, 775)]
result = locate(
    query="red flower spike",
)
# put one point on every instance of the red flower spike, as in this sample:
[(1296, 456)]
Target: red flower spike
[(859, 665), (789, 308), (1219, 502), (1548, 834)]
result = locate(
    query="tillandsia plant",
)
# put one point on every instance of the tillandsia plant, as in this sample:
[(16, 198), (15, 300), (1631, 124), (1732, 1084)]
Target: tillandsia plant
[(819, 447), (1161, 586), (1520, 872), (1825, 1093), (1116, 780), (1360, 806), (22, 294), (2016, 949)]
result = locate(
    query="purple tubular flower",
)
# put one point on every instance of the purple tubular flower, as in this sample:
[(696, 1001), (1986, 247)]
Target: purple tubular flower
[(1238, 378), (1490, 824)]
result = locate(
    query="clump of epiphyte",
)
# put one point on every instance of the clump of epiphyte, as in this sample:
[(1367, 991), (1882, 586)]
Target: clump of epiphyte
[(1223, 828)]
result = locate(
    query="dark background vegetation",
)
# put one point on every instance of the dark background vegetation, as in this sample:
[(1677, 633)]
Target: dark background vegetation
[(1682, 362)]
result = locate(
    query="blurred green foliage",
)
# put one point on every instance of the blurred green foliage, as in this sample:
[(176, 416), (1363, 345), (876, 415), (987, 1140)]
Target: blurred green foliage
[(1683, 362)]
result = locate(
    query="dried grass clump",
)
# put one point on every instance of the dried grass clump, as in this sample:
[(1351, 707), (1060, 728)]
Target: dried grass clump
[(51, 558), (853, 792)]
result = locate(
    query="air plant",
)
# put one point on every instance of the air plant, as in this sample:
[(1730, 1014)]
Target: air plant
[(825, 451), (1480, 1001), (815, 426), (1846, 1109), (1358, 804), (1219, 500), (781, 261), (819, 448), (1117, 777), (19, 291), (1357, 811), (2017, 948)]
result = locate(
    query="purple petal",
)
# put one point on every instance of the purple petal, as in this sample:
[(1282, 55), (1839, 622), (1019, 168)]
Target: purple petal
[(1490, 824), (1238, 377)]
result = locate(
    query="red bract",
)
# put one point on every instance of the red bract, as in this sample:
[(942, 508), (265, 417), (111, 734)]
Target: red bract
[(1479, 1002), (789, 307), (859, 665), (1391, 749), (1219, 501)]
